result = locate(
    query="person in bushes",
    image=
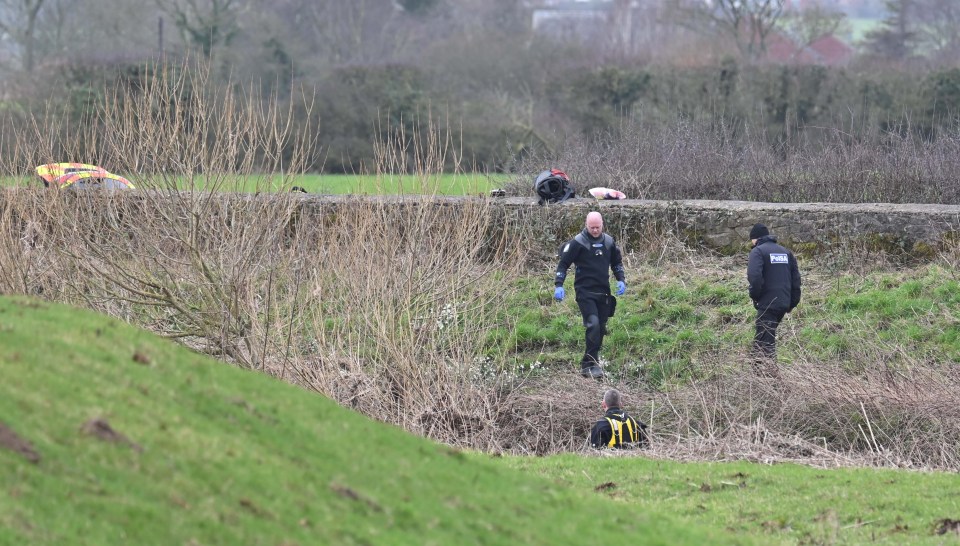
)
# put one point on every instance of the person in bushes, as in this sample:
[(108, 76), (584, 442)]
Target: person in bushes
[(595, 254), (774, 280), (617, 429)]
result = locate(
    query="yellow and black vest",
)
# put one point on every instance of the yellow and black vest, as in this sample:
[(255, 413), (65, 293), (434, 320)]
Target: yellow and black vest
[(626, 431)]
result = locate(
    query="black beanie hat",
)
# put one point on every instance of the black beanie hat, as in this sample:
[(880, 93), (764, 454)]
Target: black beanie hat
[(758, 230)]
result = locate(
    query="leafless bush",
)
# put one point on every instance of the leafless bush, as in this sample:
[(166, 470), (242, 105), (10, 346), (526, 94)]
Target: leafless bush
[(405, 296), (384, 305), (903, 416), (201, 266), (717, 159)]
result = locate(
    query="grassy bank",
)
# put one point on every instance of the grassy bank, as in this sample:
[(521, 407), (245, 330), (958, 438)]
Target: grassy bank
[(675, 316), (136, 440)]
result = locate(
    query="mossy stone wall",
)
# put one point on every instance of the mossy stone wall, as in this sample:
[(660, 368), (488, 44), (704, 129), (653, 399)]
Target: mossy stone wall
[(913, 230)]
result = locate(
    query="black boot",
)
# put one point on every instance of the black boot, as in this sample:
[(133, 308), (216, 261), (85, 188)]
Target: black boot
[(593, 372)]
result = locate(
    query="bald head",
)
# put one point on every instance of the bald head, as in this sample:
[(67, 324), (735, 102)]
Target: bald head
[(594, 224)]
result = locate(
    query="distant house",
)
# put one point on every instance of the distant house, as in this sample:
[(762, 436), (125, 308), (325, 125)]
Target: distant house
[(827, 50), (831, 51), (636, 27)]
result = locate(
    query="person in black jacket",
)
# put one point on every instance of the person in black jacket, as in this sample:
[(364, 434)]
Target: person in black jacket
[(595, 254), (617, 429), (774, 288)]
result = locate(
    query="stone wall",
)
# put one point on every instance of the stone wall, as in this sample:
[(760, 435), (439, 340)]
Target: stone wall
[(910, 230), (809, 228)]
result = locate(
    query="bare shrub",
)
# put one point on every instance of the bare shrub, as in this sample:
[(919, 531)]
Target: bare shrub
[(205, 266), (720, 159), (550, 415), (405, 292), (398, 309), (882, 415), (383, 305)]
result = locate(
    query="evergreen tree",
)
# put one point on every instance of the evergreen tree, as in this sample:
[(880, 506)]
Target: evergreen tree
[(895, 39)]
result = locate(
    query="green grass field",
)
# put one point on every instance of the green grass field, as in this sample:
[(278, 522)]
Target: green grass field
[(444, 184), (777, 504), (670, 318), (328, 184), (204, 453)]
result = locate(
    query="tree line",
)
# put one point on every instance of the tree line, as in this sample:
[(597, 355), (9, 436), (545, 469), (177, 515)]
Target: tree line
[(355, 73)]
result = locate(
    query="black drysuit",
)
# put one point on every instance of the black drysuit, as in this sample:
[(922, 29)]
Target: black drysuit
[(594, 258), (630, 433), (774, 288)]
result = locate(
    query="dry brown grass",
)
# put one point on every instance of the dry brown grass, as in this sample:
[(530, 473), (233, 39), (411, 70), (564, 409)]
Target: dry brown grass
[(818, 412), (716, 159)]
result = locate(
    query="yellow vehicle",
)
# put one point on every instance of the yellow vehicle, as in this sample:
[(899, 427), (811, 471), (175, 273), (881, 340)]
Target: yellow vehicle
[(81, 176)]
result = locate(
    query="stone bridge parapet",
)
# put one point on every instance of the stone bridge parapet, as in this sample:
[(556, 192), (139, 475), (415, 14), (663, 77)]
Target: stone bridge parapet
[(917, 230)]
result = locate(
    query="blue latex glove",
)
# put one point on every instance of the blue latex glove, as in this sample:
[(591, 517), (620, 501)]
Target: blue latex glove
[(559, 293), (621, 288)]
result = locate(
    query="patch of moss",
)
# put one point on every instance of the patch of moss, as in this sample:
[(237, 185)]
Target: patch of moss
[(883, 242), (923, 250), (806, 248)]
